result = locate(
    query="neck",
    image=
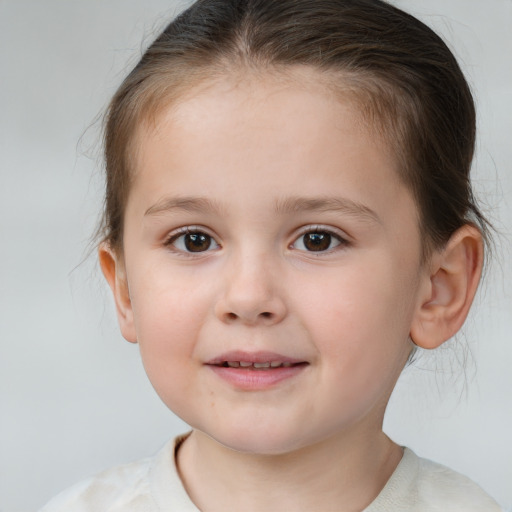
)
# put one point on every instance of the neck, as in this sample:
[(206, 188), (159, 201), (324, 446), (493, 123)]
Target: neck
[(343, 473)]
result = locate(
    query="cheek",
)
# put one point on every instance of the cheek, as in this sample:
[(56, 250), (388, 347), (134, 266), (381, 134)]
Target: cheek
[(165, 302), (168, 316), (360, 318), (361, 334)]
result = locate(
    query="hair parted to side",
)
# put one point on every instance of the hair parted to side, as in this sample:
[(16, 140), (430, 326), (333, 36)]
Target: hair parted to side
[(403, 76)]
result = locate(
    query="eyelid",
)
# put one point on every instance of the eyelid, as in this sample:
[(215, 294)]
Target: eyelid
[(171, 237), (312, 228), (341, 236)]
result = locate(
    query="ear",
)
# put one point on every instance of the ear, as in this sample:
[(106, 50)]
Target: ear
[(113, 268), (449, 288)]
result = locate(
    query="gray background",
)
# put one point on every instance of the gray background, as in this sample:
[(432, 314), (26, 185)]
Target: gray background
[(74, 397)]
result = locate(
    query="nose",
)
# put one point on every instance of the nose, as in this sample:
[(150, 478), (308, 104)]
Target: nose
[(251, 295)]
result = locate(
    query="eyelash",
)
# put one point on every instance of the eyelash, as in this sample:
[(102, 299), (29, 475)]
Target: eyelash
[(321, 230), (182, 233), (326, 236)]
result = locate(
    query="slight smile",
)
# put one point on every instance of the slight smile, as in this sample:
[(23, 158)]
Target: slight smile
[(257, 370)]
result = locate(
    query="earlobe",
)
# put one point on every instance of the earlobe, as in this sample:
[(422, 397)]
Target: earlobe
[(113, 269), (449, 289)]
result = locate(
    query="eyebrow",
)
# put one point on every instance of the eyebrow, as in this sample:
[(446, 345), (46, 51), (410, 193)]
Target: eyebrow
[(188, 204), (327, 204), (282, 207)]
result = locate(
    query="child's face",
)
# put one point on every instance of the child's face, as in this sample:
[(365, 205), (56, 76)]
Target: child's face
[(266, 224)]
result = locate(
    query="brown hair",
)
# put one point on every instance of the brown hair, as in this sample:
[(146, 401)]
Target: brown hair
[(406, 80)]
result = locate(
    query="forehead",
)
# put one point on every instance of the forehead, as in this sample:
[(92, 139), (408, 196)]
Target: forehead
[(278, 134), (244, 94)]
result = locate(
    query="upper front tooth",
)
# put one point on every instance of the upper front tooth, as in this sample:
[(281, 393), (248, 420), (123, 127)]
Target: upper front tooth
[(233, 364), (275, 364), (261, 365), (245, 364)]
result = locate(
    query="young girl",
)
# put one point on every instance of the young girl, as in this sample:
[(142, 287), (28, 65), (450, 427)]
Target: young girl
[(288, 216)]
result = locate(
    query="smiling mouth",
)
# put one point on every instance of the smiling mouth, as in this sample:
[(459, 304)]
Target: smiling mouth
[(256, 371), (242, 362), (247, 365)]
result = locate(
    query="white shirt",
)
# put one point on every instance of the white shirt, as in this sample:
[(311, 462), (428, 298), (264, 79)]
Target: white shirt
[(153, 485)]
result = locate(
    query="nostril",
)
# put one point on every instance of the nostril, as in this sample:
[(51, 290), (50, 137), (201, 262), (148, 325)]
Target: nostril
[(250, 317)]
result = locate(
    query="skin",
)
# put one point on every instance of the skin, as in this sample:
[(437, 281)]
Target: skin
[(254, 166)]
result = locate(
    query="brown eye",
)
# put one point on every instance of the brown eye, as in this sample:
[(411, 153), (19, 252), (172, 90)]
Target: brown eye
[(317, 241), (193, 241), (197, 242)]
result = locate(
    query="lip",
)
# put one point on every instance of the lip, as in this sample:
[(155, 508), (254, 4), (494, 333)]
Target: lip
[(256, 379), (253, 357)]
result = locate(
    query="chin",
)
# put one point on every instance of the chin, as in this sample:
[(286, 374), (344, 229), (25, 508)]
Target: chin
[(258, 441)]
